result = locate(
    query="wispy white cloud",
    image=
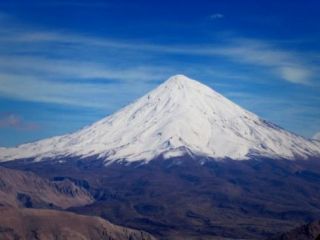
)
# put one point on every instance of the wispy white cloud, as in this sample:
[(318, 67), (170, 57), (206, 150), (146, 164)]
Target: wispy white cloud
[(41, 77), (63, 68), (296, 74), (216, 16), (11, 120), (288, 65), (93, 95)]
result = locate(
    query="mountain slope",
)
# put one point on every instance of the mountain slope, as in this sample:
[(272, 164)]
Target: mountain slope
[(181, 116), (21, 191), (25, 189), (251, 199), (27, 224), (310, 231), (316, 136)]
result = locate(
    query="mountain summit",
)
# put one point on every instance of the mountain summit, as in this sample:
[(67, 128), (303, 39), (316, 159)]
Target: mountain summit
[(181, 116)]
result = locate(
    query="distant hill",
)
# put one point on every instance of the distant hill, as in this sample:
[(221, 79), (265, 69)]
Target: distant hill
[(26, 224), (25, 189), (23, 193), (309, 231)]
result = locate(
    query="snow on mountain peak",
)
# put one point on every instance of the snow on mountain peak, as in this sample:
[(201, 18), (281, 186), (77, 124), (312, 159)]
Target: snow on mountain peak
[(181, 81), (316, 136), (181, 116)]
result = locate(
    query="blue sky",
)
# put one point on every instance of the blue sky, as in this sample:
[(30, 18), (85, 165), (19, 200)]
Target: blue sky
[(66, 64)]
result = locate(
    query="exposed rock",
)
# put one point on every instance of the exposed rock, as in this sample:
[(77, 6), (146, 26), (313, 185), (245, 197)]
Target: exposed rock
[(32, 224), (25, 189)]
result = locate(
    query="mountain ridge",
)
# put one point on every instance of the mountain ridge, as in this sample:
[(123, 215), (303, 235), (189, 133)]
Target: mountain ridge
[(27, 223), (181, 116), (26, 189)]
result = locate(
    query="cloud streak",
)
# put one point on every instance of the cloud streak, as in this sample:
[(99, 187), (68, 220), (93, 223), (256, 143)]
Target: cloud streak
[(47, 76), (286, 65), (11, 120), (216, 16), (91, 95)]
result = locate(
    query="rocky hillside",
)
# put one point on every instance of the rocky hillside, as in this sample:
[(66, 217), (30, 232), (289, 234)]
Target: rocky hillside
[(309, 231), (25, 189), (26, 224)]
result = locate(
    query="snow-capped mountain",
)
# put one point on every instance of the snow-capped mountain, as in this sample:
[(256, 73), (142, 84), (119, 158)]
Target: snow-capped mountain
[(316, 136), (181, 116)]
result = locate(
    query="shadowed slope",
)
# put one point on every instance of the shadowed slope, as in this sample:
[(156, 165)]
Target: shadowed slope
[(309, 231), (18, 188), (183, 199), (26, 224)]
